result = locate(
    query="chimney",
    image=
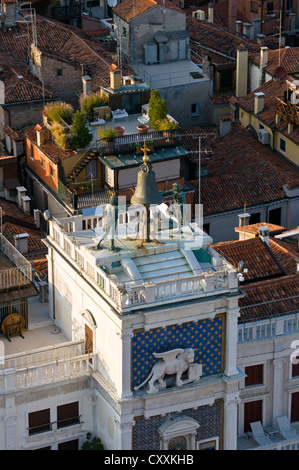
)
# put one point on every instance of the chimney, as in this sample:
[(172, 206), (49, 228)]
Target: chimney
[(263, 56), (115, 77), (86, 80), (242, 72), (225, 123), (264, 234), (36, 216), (211, 13), (26, 204), (260, 39), (40, 135), (21, 242), (244, 219), (257, 23), (259, 101), (239, 28), (248, 30), (2, 92), (21, 192)]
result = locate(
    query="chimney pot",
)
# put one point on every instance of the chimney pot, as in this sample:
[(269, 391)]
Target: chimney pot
[(86, 84), (264, 234), (259, 102), (21, 242)]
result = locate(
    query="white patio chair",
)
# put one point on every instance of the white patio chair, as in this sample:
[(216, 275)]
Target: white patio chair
[(258, 434), (285, 428)]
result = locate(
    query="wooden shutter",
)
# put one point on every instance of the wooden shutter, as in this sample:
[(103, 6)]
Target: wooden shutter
[(39, 421), (295, 407), (252, 412), (254, 375), (67, 414)]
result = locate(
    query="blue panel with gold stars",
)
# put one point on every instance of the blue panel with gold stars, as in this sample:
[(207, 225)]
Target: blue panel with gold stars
[(206, 337)]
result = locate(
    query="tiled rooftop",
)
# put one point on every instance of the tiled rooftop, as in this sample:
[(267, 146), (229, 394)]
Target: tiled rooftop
[(269, 298), (288, 58), (127, 11), (58, 39), (217, 38), (34, 240)]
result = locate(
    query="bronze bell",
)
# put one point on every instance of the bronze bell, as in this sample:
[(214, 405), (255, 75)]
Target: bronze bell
[(146, 191)]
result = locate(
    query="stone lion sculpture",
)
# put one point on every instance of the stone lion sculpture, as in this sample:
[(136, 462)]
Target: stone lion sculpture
[(176, 361)]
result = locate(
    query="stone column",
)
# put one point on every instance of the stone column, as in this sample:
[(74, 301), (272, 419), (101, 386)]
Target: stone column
[(230, 422), (277, 387), (231, 341), (125, 434), (126, 339), (10, 420)]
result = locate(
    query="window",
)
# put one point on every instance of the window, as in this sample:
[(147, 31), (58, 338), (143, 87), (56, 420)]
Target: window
[(254, 375), (52, 172), (226, 79), (282, 145), (206, 228), (39, 421), (255, 218), (31, 152), (275, 216), (295, 368), (252, 412), (124, 32), (58, 73), (92, 170), (194, 109), (269, 8), (42, 162), (253, 7), (295, 407), (67, 415)]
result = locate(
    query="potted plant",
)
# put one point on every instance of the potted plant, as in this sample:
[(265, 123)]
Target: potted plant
[(157, 109), (92, 100), (140, 146), (143, 128), (58, 110), (119, 130), (108, 134)]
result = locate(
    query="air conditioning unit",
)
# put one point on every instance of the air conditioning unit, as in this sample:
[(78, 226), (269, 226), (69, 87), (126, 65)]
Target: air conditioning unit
[(264, 136)]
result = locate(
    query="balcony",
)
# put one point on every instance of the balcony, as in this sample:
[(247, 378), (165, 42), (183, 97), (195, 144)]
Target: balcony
[(15, 270), (47, 365), (276, 441), (158, 282)]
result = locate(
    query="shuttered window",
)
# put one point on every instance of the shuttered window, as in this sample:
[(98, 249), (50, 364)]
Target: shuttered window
[(68, 414), (39, 421), (252, 412), (254, 375)]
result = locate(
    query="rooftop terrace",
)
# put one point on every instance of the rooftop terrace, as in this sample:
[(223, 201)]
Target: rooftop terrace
[(170, 267)]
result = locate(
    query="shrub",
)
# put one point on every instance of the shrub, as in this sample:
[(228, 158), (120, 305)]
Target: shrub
[(92, 100), (157, 108), (81, 134), (57, 110), (94, 444), (166, 125), (108, 134)]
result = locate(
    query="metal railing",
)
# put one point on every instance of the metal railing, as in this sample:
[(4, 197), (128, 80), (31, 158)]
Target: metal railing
[(19, 275)]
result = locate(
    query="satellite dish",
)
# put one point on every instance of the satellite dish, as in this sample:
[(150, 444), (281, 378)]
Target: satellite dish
[(112, 3), (47, 215), (280, 73)]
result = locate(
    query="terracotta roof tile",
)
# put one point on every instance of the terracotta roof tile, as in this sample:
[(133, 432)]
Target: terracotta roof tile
[(35, 242), (258, 258), (129, 11), (270, 298), (288, 58)]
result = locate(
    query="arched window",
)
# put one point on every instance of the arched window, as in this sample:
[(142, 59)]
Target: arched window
[(178, 433)]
